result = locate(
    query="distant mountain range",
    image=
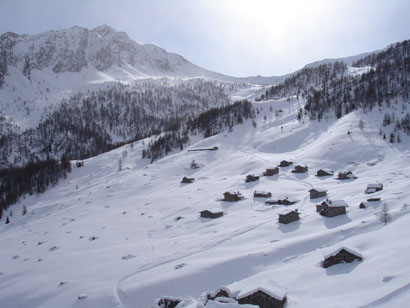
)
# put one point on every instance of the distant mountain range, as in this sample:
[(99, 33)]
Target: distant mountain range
[(102, 49)]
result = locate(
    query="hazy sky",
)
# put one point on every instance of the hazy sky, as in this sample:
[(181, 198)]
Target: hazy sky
[(234, 37)]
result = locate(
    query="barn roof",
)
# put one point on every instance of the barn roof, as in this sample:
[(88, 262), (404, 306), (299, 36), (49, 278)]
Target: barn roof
[(256, 283), (336, 203), (345, 248), (211, 210), (374, 185), (326, 170), (261, 192), (318, 189)]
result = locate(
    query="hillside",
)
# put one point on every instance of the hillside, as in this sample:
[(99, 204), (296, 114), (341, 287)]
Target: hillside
[(37, 72), (109, 238)]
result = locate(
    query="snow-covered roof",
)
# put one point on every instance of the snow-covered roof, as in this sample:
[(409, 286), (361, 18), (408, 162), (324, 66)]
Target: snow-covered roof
[(345, 248), (261, 192), (327, 170), (216, 304), (232, 192), (318, 189), (259, 282), (374, 185), (336, 203), (213, 210), (286, 213)]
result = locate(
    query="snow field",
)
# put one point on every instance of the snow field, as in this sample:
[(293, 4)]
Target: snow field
[(114, 235)]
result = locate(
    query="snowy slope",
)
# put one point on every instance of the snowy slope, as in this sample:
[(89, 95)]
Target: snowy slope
[(38, 71), (124, 238)]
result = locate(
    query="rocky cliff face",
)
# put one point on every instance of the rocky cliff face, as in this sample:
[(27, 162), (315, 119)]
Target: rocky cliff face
[(77, 48)]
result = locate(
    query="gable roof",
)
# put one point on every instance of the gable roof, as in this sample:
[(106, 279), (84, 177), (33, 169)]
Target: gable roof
[(336, 203), (334, 253), (375, 185), (256, 283)]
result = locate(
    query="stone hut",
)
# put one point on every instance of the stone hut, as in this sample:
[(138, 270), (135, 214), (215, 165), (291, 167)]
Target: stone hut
[(232, 196), (266, 295), (317, 193), (262, 194), (285, 163), (342, 255), (289, 217), (300, 169), (372, 188), (251, 178), (211, 214), (271, 171), (262, 299), (324, 172), (186, 180), (345, 175), (167, 302), (330, 208)]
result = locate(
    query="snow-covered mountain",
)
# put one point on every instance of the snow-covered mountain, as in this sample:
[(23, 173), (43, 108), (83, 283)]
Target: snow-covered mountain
[(101, 48)]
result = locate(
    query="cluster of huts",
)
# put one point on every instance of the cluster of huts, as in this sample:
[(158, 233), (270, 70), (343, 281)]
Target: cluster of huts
[(257, 292), (265, 295), (328, 208), (262, 296)]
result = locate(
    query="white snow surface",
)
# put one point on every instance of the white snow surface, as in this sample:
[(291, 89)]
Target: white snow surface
[(109, 238)]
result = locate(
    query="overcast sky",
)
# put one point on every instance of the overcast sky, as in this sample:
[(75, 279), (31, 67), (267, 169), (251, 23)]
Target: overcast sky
[(234, 37)]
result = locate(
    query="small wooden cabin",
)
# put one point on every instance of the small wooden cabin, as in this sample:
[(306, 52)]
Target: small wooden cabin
[(372, 188), (330, 208), (288, 217), (300, 169), (271, 171), (210, 214), (324, 172), (342, 255), (186, 180), (317, 193), (285, 163), (251, 178), (262, 194), (345, 175), (232, 196)]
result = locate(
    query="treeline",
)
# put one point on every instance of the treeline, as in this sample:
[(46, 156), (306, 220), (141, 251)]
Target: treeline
[(34, 178), (307, 79), (209, 123), (387, 80), (91, 123), (95, 122)]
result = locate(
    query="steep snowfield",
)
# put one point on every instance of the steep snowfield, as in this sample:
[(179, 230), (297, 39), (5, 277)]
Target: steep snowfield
[(124, 238)]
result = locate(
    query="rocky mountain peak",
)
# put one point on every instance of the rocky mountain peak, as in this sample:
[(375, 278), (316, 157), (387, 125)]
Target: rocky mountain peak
[(102, 48)]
